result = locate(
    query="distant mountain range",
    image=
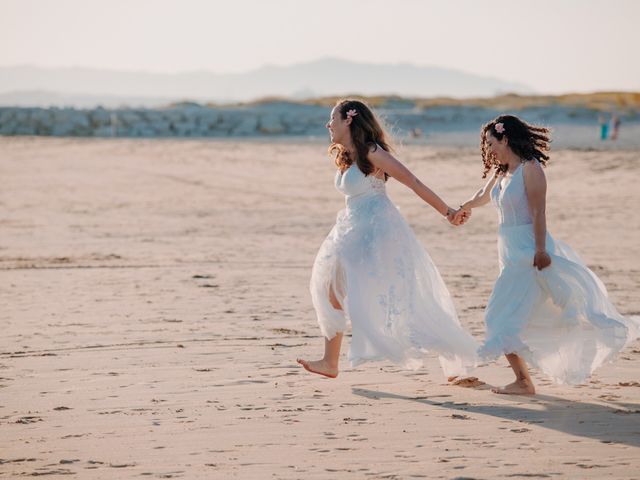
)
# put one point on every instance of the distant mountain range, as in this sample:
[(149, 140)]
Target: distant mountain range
[(86, 87)]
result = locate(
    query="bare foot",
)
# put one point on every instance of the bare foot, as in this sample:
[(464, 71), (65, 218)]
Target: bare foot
[(320, 367), (519, 387), (466, 382)]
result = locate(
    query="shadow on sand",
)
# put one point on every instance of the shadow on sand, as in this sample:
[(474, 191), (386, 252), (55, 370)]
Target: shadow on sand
[(615, 423)]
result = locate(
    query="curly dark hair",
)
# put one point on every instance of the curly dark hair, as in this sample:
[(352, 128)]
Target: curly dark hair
[(526, 141), (366, 133)]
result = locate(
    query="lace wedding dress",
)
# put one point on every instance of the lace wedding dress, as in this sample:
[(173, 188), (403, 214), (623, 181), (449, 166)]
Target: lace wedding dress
[(390, 291)]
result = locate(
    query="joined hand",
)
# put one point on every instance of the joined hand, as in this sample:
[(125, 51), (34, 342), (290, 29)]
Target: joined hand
[(458, 217)]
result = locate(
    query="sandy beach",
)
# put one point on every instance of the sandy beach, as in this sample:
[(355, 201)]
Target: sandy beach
[(155, 298)]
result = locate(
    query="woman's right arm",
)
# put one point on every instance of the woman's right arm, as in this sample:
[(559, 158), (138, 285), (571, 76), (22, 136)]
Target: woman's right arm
[(482, 196), (390, 165)]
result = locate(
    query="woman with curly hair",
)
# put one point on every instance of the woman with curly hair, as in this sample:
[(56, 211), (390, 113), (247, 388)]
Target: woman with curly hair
[(547, 308), (371, 270)]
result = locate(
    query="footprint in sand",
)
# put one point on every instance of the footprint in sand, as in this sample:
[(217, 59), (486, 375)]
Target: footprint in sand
[(29, 419), (467, 382), (609, 396), (459, 416), (61, 471)]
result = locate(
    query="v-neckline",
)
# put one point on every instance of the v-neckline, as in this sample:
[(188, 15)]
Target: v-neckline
[(510, 177)]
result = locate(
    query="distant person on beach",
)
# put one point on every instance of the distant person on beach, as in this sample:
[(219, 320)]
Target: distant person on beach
[(371, 271), (416, 133), (604, 127), (615, 127), (547, 308)]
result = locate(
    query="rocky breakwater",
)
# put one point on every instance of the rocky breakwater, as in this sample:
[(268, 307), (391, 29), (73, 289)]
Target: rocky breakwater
[(183, 120), (267, 119)]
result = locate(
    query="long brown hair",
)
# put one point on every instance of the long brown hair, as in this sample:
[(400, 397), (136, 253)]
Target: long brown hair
[(526, 141), (366, 133)]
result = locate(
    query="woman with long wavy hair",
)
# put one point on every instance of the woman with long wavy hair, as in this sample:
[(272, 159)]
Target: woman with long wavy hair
[(547, 308), (371, 270)]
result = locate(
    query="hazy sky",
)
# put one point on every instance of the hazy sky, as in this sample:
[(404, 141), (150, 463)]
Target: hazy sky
[(551, 45)]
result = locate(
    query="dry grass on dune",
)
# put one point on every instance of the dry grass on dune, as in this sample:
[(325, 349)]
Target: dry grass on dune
[(625, 101)]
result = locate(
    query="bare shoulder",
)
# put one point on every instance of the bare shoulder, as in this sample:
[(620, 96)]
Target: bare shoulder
[(534, 179), (375, 149), (533, 170), (377, 154)]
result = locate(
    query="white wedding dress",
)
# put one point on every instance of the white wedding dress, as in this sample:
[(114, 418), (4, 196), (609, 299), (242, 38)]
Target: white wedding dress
[(558, 319), (390, 290)]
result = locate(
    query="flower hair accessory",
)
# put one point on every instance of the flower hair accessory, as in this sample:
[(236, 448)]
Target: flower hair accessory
[(499, 127), (352, 113)]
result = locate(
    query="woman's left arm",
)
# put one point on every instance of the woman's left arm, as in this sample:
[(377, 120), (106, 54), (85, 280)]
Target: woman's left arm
[(536, 186), (392, 167)]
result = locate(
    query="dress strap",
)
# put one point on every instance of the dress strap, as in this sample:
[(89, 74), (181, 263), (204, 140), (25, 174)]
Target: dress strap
[(376, 173)]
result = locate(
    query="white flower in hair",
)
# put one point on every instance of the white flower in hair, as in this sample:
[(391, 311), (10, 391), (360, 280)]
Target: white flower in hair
[(352, 113), (499, 127)]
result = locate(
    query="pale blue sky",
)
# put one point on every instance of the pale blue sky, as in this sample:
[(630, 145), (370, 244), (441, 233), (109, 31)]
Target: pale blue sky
[(551, 45)]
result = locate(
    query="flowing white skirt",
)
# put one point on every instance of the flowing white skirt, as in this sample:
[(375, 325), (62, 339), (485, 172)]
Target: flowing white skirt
[(389, 289), (558, 319)]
